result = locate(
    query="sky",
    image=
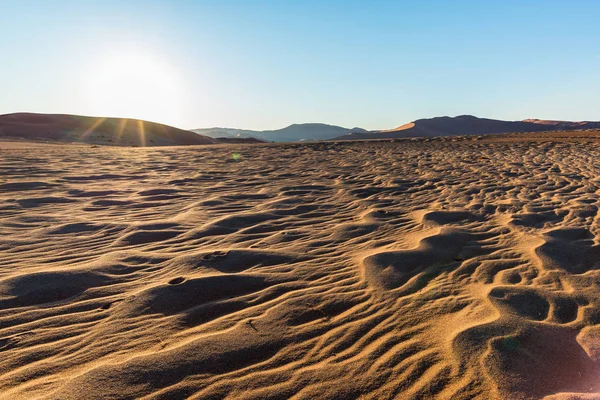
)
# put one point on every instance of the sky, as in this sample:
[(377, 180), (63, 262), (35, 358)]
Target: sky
[(259, 64)]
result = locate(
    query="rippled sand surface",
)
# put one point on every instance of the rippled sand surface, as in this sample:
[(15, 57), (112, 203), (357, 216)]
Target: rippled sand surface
[(454, 268)]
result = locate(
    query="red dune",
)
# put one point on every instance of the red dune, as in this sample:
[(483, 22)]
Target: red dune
[(97, 130), (468, 125)]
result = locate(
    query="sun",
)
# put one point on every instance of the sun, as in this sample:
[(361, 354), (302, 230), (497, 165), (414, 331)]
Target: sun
[(135, 86)]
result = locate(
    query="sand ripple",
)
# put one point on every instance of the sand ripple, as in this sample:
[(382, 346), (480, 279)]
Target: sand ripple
[(416, 269)]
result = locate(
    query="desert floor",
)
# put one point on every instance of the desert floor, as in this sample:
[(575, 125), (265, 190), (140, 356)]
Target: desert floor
[(450, 268)]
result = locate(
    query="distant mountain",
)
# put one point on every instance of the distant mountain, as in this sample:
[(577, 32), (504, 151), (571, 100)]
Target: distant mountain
[(467, 125), (132, 132), (238, 140), (97, 130), (292, 133), (225, 133)]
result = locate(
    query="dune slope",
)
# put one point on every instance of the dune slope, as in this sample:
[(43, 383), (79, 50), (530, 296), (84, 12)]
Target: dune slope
[(98, 130), (448, 268), (468, 125)]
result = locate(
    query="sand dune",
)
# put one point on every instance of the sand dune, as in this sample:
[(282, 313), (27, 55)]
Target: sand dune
[(434, 268), (97, 130), (566, 125), (468, 125)]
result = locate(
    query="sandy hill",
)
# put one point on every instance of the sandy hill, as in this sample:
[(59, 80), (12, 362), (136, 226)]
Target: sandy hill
[(98, 130), (468, 125), (565, 125), (292, 133)]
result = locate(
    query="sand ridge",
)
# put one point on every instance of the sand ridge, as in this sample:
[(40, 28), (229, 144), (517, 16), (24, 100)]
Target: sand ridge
[(446, 268)]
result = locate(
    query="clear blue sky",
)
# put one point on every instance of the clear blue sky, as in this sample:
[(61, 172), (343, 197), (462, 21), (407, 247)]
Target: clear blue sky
[(267, 64)]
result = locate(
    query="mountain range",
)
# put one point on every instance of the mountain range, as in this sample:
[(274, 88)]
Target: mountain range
[(429, 127), (132, 132), (292, 133)]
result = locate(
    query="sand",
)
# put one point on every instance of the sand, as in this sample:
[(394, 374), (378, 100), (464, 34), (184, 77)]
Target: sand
[(454, 268), (67, 128)]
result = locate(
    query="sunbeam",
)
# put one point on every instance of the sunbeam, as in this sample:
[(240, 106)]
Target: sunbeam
[(92, 128), (142, 133), (122, 125)]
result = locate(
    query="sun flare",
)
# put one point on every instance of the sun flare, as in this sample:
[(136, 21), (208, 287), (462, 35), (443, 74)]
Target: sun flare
[(135, 86)]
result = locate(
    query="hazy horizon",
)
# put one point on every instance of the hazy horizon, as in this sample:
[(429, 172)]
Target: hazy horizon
[(263, 65)]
